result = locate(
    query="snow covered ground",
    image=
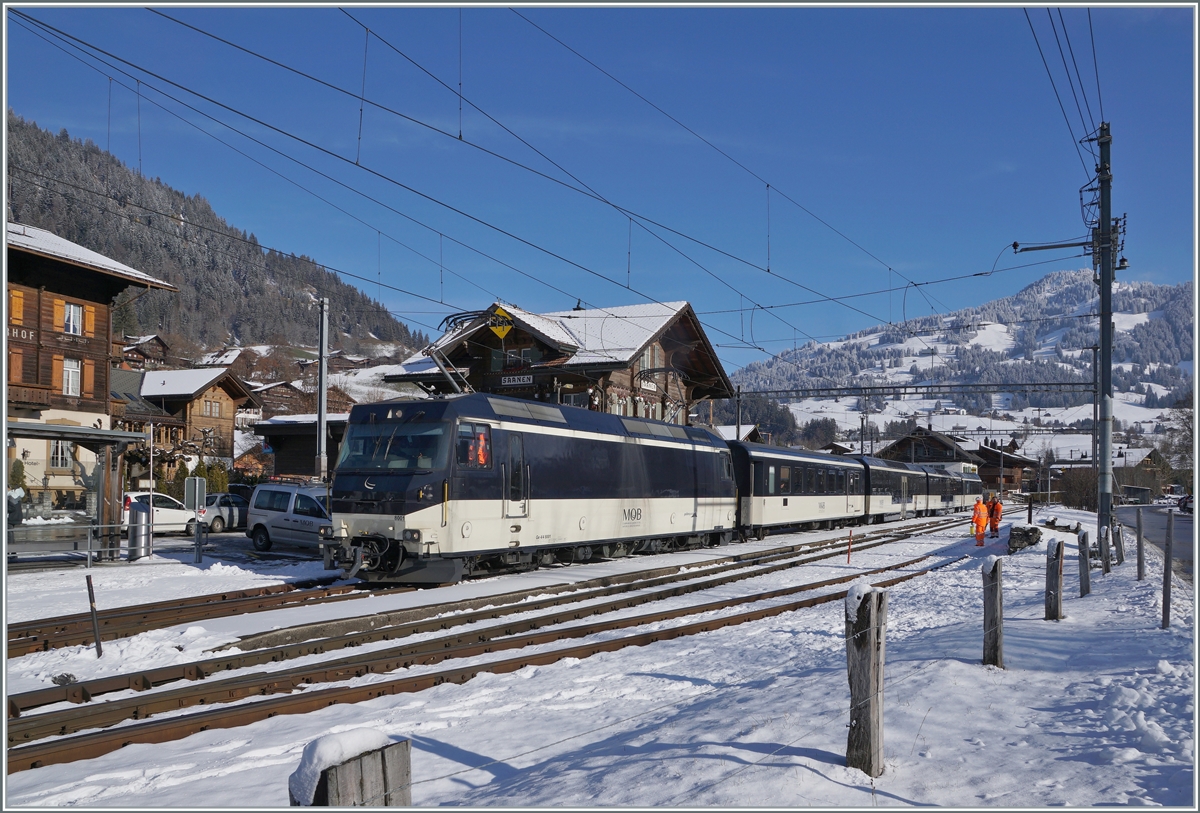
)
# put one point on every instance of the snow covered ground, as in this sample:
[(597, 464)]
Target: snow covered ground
[(1096, 709)]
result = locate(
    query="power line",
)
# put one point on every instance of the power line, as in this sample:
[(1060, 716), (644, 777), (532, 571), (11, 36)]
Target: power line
[(1067, 71), (1095, 64), (375, 173), (1054, 87), (749, 171), (1078, 75)]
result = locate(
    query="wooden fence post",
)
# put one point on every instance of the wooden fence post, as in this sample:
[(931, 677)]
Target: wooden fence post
[(1085, 566), (1141, 548), (993, 612), (378, 778), (866, 616), (1105, 550), (1054, 569), (1119, 542), (1168, 543)]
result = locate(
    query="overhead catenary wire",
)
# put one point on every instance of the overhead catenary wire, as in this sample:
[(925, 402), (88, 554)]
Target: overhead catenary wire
[(1070, 82), (375, 173), (586, 189), (1066, 119), (742, 166)]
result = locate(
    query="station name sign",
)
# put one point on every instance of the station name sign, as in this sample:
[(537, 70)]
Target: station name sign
[(515, 380)]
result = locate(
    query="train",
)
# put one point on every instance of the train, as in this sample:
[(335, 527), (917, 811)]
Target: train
[(429, 491)]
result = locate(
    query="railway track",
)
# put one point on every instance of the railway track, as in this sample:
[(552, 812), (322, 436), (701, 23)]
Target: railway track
[(517, 633), (122, 622)]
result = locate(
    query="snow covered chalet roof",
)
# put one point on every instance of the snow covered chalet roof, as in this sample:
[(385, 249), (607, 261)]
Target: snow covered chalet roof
[(159, 383), (48, 244), (220, 358), (597, 336)]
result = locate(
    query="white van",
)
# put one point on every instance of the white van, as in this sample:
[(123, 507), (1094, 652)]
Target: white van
[(287, 512)]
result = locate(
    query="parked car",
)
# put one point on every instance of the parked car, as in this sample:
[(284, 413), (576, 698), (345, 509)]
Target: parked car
[(1185, 503), (169, 514), (224, 511), (287, 512)]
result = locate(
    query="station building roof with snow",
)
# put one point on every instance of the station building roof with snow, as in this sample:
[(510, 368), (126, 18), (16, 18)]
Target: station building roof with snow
[(650, 361)]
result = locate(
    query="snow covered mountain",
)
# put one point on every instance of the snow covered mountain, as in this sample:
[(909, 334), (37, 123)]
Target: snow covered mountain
[(1043, 333)]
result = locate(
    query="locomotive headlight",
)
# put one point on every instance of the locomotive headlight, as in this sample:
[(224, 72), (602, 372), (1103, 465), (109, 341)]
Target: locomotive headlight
[(325, 532), (411, 536)]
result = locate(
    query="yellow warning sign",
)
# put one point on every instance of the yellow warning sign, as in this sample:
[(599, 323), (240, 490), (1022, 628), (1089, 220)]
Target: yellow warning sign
[(501, 322)]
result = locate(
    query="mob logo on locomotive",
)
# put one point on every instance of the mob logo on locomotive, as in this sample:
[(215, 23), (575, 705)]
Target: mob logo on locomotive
[(631, 516)]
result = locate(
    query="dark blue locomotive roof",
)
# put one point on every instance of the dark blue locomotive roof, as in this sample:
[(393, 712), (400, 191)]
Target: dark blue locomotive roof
[(787, 453), (891, 465), (534, 413)]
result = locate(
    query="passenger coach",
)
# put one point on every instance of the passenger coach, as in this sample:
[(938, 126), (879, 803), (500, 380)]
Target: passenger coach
[(432, 490), (781, 489)]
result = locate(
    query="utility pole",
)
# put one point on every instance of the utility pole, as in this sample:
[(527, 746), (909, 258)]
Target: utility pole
[(1104, 175), (1095, 409), (1101, 244), (323, 353), (737, 433)]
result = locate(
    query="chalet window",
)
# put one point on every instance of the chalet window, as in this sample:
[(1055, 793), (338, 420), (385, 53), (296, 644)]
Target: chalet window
[(60, 454), (645, 363), (73, 319), (70, 380)]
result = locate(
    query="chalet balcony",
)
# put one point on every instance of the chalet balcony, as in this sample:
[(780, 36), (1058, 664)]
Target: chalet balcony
[(25, 395)]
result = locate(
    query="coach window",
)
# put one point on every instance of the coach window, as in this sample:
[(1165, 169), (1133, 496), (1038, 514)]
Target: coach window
[(474, 446), (771, 480), (820, 481), (726, 466), (785, 479)]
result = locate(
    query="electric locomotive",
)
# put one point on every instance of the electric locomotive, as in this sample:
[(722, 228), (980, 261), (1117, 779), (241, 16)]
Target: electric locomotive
[(427, 491)]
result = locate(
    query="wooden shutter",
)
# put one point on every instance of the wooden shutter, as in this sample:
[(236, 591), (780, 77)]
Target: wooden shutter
[(16, 307), (89, 320), (60, 308), (56, 373), (15, 366), (89, 378)]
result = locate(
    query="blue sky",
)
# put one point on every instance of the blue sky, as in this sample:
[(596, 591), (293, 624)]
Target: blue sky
[(919, 142)]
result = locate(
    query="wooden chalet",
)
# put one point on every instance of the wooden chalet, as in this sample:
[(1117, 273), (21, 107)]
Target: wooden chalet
[(649, 361), (926, 446), (206, 399), (144, 352), (61, 352)]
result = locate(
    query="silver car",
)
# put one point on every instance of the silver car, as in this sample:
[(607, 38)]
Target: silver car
[(287, 512), (224, 512)]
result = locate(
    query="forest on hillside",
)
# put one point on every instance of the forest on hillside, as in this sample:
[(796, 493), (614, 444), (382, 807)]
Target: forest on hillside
[(231, 289)]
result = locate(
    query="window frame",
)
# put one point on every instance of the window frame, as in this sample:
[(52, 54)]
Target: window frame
[(72, 370), (72, 326)]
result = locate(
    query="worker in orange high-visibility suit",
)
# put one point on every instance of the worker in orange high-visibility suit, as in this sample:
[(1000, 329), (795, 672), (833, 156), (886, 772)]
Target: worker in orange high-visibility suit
[(980, 520), (995, 511)]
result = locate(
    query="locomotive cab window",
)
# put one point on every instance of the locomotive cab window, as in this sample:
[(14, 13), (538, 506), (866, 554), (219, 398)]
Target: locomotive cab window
[(726, 466), (474, 446)]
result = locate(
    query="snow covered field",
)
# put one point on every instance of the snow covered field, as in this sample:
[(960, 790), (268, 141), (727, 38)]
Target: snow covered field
[(1094, 710)]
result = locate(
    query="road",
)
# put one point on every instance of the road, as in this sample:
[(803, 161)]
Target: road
[(1154, 527)]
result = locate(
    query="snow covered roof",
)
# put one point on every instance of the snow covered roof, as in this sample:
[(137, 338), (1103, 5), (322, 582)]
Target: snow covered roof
[(220, 358), (166, 383), (615, 334), (309, 417), (730, 432), (48, 244), (592, 336)]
